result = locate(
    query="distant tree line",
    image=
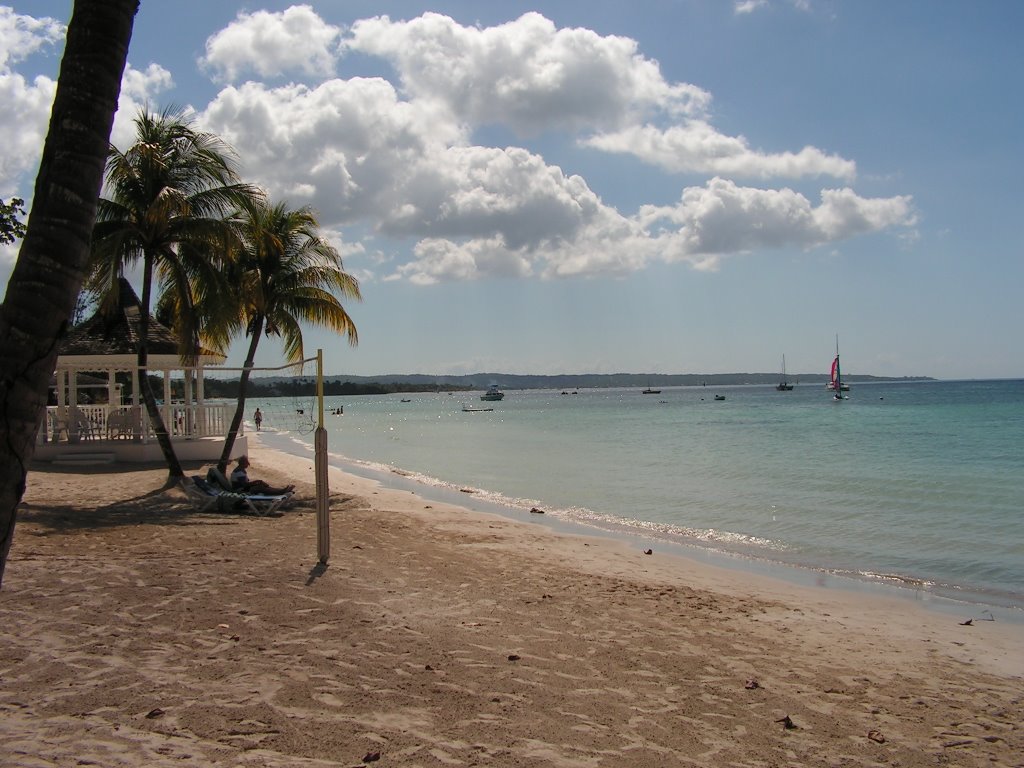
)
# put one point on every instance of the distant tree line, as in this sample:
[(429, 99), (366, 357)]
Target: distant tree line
[(306, 387)]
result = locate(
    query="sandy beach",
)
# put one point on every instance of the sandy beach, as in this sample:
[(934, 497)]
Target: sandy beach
[(135, 631)]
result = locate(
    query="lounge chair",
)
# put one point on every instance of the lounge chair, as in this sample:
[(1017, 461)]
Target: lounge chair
[(218, 479), (208, 497)]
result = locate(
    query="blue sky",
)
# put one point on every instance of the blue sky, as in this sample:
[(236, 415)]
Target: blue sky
[(671, 186)]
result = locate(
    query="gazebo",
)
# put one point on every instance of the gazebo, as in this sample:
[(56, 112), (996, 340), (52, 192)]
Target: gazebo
[(90, 422)]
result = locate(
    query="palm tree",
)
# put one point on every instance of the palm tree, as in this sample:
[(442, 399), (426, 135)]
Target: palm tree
[(168, 196), (47, 277), (286, 273)]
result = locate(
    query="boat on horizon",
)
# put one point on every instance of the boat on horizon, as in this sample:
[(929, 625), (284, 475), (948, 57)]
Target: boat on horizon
[(784, 386), (836, 379), (492, 393), (650, 391)]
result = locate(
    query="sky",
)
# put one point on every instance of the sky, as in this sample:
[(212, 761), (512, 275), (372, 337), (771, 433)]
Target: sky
[(592, 186)]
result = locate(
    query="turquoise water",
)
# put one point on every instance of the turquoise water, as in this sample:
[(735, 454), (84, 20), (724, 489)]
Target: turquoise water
[(915, 484)]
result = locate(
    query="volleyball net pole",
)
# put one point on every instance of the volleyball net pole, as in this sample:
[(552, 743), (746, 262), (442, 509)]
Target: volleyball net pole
[(323, 512)]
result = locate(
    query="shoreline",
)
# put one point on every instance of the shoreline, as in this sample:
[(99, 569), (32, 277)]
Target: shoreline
[(942, 599), (137, 631)]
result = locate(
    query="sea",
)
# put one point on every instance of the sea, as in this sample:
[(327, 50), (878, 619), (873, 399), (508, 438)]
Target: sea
[(913, 488)]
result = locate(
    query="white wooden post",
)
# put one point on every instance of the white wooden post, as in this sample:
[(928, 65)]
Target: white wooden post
[(200, 407), (139, 414), (189, 421), (73, 411), (168, 410)]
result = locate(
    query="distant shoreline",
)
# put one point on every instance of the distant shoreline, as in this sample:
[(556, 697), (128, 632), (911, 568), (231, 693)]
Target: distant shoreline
[(338, 384)]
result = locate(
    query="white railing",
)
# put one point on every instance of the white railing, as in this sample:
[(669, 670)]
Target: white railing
[(74, 424)]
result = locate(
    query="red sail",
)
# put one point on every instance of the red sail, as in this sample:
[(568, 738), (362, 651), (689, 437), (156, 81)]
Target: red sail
[(835, 373)]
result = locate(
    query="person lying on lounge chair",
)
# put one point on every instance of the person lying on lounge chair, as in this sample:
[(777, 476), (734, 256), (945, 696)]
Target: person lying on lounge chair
[(240, 481)]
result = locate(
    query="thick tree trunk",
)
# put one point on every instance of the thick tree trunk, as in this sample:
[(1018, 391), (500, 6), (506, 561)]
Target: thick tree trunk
[(48, 275), (243, 385), (174, 470)]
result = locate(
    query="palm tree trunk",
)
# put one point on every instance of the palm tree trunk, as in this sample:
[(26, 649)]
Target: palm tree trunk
[(174, 470), (243, 385), (48, 275)]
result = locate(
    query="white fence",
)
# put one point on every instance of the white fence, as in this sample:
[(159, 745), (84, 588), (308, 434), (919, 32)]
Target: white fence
[(75, 424)]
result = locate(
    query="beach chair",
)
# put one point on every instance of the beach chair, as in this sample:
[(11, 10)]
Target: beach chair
[(86, 429), (120, 425), (218, 479), (207, 497)]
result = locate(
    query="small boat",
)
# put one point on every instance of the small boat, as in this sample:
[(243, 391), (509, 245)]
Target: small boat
[(471, 409), (405, 400), (492, 393), (836, 379), (784, 386), (650, 391), (719, 397)]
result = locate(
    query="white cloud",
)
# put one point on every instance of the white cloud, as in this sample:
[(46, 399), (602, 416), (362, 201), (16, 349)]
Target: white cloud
[(438, 260), (606, 244), (742, 7), (23, 123), (271, 44), (359, 154), (520, 218), (402, 167), (478, 192), (21, 36), (26, 104), (843, 214), (341, 146), (696, 147), (748, 6), (525, 74), (531, 76), (722, 218), (710, 223)]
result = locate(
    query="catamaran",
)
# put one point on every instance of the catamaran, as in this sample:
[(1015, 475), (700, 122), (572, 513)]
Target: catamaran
[(836, 383)]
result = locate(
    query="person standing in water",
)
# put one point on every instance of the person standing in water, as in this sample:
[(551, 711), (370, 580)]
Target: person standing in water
[(258, 418)]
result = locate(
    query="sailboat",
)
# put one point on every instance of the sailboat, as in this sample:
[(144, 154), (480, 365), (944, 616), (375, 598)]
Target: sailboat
[(836, 381), (784, 386)]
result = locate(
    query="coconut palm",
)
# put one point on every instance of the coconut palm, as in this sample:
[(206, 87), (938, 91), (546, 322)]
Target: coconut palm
[(48, 274), (168, 195), (286, 274)]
